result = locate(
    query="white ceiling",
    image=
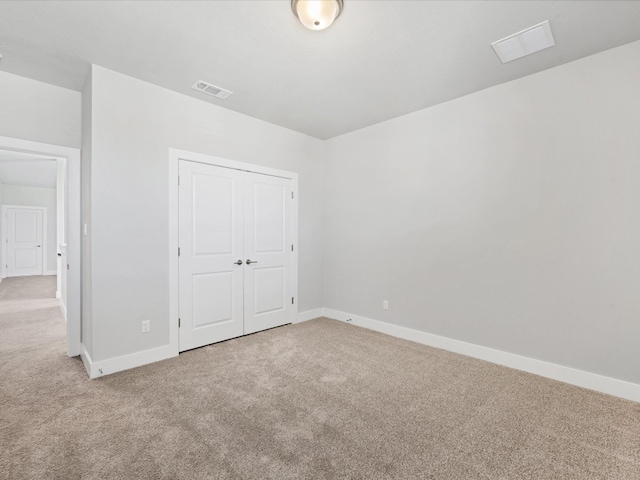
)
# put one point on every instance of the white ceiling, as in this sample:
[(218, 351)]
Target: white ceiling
[(379, 60), (27, 170)]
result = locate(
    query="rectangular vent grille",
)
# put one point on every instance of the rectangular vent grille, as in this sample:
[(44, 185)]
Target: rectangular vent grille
[(212, 90), (526, 42)]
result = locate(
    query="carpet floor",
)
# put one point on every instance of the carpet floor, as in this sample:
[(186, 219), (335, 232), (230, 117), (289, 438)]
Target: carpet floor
[(316, 400)]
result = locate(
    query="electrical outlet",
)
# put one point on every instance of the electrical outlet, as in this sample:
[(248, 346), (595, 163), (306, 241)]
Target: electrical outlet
[(146, 326), (385, 304)]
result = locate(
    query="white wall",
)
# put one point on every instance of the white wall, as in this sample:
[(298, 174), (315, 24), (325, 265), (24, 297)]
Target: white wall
[(508, 218), (39, 112), (134, 124), (1, 235), (87, 286), (37, 197)]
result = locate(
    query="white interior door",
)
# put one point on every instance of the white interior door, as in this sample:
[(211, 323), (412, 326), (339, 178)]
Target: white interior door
[(236, 253), (268, 252), (24, 242), (210, 239)]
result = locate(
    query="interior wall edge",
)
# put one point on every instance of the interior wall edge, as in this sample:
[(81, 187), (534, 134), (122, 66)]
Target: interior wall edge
[(109, 366), (309, 315), (86, 359), (63, 307)]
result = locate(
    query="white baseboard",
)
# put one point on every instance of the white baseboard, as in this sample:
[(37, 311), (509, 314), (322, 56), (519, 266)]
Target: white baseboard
[(592, 381), (86, 359), (63, 307), (309, 315), (125, 362), (50, 272)]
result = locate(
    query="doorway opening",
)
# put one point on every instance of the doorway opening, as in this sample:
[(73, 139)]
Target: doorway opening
[(40, 240)]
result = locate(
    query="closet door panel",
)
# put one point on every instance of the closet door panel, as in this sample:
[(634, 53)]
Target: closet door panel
[(268, 252), (211, 242)]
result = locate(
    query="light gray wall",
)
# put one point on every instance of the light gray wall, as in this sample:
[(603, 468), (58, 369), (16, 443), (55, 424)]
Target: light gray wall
[(508, 218), (1, 235), (37, 197), (134, 124), (39, 112), (85, 198)]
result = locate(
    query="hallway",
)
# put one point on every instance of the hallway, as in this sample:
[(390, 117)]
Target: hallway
[(30, 315)]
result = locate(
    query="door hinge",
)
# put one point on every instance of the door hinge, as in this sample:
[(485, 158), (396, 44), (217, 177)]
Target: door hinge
[(178, 323), (178, 251), (292, 247), (291, 300), (291, 195)]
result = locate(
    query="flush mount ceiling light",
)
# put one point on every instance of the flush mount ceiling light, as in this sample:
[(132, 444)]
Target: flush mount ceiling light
[(316, 14)]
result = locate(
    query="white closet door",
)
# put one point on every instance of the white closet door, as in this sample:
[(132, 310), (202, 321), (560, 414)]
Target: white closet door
[(211, 241), (24, 242), (267, 252)]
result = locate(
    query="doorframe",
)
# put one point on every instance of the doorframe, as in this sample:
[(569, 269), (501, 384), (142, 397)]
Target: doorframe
[(175, 155), (5, 237), (71, 158)]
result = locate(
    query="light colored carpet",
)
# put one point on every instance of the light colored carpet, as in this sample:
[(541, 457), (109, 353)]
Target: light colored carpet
[(317, 400), (29, 313)]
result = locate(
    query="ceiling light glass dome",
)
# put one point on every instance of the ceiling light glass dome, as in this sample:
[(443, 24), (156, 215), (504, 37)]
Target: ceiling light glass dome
[(316, 14)]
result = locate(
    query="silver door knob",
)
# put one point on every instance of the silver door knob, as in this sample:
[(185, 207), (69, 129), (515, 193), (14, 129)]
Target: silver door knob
[(249, 262), (239, 262)]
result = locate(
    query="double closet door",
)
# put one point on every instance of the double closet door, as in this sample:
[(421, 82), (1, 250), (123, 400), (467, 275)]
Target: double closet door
[(236, 259)]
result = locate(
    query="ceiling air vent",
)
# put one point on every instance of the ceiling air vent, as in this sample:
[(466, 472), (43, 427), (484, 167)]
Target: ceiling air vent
[(212, 90), (526, 42)]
